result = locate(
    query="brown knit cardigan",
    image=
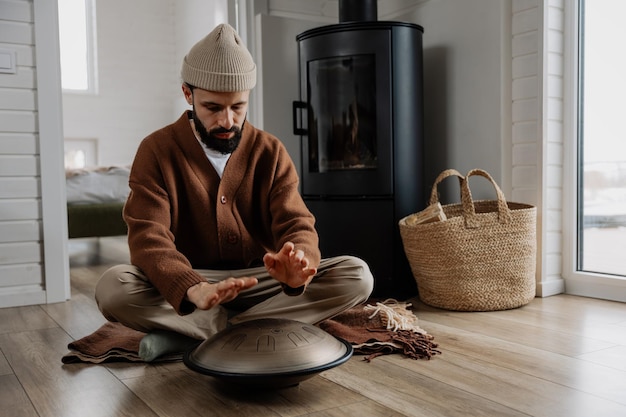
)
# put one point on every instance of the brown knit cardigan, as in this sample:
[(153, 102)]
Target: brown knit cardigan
[(181, 216)]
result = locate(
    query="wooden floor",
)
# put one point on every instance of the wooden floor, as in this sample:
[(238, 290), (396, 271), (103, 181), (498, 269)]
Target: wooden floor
[(557, 356)]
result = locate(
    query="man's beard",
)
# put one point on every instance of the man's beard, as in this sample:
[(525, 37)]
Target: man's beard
[(224, 146)]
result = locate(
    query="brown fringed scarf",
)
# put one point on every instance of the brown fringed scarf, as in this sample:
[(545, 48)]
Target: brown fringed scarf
[(111, 342), (374, 329), (382, 328)]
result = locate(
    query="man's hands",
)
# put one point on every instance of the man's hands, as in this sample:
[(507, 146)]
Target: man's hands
[(206, 295), (289, 266)]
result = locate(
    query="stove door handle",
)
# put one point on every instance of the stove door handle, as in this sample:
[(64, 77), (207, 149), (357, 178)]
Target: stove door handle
[(298, 130)]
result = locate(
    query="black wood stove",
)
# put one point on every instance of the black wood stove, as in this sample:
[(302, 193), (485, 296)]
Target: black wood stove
[(360, 116)]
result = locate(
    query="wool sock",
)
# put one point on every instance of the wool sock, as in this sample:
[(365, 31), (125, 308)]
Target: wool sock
[(162, 342)]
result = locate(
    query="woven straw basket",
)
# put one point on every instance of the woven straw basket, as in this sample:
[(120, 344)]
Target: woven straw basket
[(482, 257)]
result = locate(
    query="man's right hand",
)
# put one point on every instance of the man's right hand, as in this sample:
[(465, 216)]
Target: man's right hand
[(205, 295)]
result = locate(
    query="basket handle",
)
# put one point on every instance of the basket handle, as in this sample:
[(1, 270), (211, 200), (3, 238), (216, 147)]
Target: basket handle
[(434, 194), (469, 212)]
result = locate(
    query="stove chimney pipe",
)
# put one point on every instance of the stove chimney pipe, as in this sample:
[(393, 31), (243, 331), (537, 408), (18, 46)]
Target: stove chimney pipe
[(358, 11)]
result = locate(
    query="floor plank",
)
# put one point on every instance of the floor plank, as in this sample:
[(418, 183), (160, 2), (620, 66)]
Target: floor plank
[(397, 386), (126, 370), (584, 376), (78, 317), (13, 399), (203, 393), (69, 390), (364, 408), (513, 389), (613, 357), (496, 324), (597, 323), (194, 399), (19, 319), (5, 369)]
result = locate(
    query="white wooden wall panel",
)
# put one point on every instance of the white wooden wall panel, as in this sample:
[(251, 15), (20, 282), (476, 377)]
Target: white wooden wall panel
[(537, 68), (17, 99), (22, 295), (17, 121), (25, 55), (526, 116), (25, 78), (20, 231), (552, 161), (18, 143), (20, 275), (19, 209), (16, 32), (20, 253), (19, 165), (525, 65), (16, 10), (19, 187)]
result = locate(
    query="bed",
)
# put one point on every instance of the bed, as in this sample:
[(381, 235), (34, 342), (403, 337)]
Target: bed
[(95, 199)]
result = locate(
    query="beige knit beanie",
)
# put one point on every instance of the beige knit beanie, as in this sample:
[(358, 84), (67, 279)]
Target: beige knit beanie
[(220, 62)]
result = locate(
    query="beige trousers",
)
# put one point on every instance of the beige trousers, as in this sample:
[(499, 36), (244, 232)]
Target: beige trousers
[(124, 294)]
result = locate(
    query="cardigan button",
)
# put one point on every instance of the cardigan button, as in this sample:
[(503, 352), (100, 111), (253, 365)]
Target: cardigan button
[(223, 199), (232, 238)]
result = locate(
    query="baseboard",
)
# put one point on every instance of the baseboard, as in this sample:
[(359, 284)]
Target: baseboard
[(549, 288), (613, 289)]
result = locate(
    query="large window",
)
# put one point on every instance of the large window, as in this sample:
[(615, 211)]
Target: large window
[(77, 44), (595, 170), (602, 138)]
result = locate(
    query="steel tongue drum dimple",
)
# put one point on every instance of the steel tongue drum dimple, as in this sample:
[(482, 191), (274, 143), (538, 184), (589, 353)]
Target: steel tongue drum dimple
[(270, 352)]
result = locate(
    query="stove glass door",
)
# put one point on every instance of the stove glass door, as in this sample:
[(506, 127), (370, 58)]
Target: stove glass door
[(342, 113)]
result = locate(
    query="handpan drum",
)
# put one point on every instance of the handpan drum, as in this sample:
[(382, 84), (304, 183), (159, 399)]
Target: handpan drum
[(269, 352)]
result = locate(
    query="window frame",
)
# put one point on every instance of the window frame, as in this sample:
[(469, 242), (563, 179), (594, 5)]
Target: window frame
[(91, 43), (578, 282)]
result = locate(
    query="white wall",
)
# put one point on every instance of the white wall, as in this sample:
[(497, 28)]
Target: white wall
[(280, 78), (33, 260), (139, 54), (194, 19), (135, 77), (465, 81), (20, 210), (537, 128)]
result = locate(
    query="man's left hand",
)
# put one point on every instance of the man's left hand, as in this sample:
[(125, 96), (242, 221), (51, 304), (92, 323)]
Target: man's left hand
[(289, 266)]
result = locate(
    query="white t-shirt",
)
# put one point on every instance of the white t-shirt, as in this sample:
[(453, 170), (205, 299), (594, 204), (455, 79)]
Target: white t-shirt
[(217, 159)]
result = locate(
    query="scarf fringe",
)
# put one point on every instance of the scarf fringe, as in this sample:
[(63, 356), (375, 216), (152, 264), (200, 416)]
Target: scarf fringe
[(395, 315), (405, 333), (412, 344)]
